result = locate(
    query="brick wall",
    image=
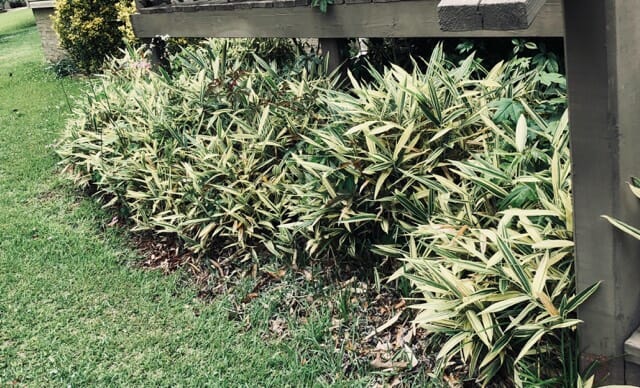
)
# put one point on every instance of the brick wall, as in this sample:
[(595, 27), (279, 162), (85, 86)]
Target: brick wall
[(50, 46)]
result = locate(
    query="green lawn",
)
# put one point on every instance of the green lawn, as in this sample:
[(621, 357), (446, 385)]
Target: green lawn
[(73, 310)]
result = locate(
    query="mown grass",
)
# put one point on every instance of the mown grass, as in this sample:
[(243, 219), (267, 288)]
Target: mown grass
[(16, 22), (73, 310)]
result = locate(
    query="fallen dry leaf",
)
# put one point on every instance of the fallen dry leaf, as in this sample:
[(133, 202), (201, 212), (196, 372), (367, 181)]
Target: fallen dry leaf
[(378, 363), (383, 327), (400, 304), (278, 326), (277, 275), (251, 296), (411, 356), (113, 222)]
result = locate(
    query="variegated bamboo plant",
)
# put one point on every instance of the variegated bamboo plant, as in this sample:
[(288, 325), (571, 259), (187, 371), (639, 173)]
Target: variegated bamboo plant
[(459, 173)]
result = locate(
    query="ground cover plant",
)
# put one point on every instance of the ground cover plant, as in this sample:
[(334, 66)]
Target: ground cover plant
[(212, 138)]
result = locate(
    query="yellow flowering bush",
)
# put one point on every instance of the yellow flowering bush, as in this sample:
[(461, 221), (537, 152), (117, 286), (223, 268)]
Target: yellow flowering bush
[(90, 30), (125, 9)]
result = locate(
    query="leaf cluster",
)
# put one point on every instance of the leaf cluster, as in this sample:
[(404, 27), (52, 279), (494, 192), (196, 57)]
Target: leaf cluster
[(201, 153), (460, 173), (464, 175), (89, 30)]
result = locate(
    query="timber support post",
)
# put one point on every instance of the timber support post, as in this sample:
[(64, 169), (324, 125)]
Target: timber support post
[(336, 49), (158, 49), (603, 52)]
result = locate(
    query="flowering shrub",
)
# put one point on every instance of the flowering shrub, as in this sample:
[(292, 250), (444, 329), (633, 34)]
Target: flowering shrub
[(125, 9), (90, 30)]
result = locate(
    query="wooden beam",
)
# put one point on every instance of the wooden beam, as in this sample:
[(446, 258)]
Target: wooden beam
[(509, 14), (41, 4), (470, 15), (392, 19), (602, 51), (459, 15)]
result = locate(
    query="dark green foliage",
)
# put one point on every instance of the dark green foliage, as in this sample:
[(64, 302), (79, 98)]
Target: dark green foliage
[(17, 3), (381, 52), (63, 68), (392, 142)]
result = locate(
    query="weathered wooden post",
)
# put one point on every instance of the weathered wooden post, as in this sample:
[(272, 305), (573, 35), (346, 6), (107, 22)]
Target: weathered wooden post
[(335, 49), (603, 57), (43, 11), (158, 48)]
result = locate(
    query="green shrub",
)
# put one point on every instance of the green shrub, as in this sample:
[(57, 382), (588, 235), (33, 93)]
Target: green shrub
[(17, 3), (89, 30), (202, 153), (459, 172), (387, 148), (125, 9), (464, 175), (547, 52), (501, 289)]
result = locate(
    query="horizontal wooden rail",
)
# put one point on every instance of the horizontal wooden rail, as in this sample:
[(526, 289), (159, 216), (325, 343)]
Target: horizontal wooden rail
[(372, 19), (470, 15), (41, 4), (509, 14)]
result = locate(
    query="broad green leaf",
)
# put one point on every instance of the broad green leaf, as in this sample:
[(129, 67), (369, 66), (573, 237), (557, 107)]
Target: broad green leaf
[(634, 189), (522, 315), (380, 182), (552, 244), (540, 277), (529, 344), (478, 327), (577, 300), (505, 304), (497, 349), (407, 132), (587, 383), (451, 344), (517, 268), (426, 317)]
